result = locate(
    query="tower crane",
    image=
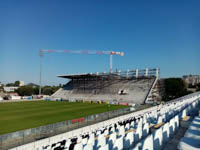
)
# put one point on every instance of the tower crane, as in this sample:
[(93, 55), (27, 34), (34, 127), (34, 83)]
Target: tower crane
[(89, 52)]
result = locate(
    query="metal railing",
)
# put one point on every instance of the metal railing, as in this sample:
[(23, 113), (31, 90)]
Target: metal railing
[(18, 138)]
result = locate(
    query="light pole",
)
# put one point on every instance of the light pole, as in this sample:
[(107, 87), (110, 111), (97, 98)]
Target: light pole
[(40, 88)]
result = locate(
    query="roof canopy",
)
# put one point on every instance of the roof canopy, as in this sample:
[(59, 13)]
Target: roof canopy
[(88, 75)]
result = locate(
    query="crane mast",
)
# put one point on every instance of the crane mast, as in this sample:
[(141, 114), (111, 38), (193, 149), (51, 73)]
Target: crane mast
[(89, 52)]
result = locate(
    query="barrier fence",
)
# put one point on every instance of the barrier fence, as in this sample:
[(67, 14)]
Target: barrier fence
[(18, 138)]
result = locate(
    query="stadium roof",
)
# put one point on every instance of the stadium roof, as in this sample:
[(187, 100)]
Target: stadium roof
[(70, 76), (87, 75)]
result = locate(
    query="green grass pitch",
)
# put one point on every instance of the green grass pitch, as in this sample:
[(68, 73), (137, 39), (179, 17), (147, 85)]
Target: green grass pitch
[(16, 116)]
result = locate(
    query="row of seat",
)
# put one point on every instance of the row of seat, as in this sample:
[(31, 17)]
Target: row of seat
[(149, 130)]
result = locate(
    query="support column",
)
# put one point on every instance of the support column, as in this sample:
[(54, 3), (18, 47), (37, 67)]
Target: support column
[(136, 73), (146, 72), (127, 73), (157, 73)]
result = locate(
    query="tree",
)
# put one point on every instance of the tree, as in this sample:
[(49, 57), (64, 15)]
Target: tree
[(36, 90), (25, 91), (16, 83), (47, 90), (29, 90), (10, 84), (174, 88)]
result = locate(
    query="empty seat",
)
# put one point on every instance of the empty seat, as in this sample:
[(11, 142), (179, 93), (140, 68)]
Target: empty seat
[(171, 127), (88, 147), (138, 134), (78, 146), (101, 141), (176, 122), (145, 130), (118, 145), (157, 139), (112, 140), (129, 140), (148, 143), (121, 131), (67, 144), (165, 132)]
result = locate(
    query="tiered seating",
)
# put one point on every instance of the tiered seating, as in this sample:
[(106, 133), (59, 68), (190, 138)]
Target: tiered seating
[(150, 130), (137, 90)]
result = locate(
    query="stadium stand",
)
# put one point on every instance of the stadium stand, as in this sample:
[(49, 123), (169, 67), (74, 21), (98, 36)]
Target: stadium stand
[(106, 87), (149, 129)]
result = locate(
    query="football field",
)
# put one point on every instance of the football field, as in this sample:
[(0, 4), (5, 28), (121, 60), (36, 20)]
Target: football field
[(16, 116)]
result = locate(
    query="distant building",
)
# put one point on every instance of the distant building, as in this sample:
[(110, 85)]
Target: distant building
[(192, 79), (21, 83), (10, 89)]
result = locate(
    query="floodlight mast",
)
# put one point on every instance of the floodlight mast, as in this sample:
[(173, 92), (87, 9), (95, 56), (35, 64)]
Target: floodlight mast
[(41, 55), (95, 52)]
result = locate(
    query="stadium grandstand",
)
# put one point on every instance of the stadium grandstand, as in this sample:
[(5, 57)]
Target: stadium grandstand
[(128, 87)]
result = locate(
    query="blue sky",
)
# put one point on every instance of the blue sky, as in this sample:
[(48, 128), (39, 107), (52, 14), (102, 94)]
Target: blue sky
[(164, 34)]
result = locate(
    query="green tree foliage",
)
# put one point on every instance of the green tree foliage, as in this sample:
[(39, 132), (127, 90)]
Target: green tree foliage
[(25, 91), (34, 90), (10, 84), (49, 90), (174, 88), (16, 83), (13, 84)]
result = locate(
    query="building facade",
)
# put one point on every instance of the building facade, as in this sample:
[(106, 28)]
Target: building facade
[(192, 79), (10, 89)]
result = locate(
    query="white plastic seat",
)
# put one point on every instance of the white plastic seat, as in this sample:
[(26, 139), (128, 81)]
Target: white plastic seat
[(158, 139), (112, 140), (137, 147), (138, 134), (106, 132), (160, 120), (121, 131), (140, 123), (98, 133), (176, 120), (67, 144), (105, 147), (171, 127), (101, 141), (132, 124), (148, 143), (84, 141), (78, 146), (145, 130), (118, 145), (112, 130), (129, 140), (88, 147), (127, 127), (165, 132), (91, 139)]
